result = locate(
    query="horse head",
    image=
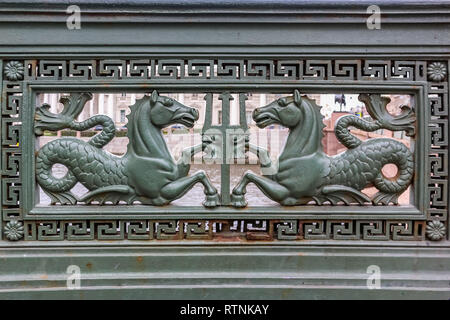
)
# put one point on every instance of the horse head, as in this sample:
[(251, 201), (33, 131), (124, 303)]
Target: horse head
[(285, 111), (166, 111), (303, 118)]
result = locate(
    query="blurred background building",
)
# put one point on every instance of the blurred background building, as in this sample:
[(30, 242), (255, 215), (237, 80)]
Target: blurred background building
[(116, 106)]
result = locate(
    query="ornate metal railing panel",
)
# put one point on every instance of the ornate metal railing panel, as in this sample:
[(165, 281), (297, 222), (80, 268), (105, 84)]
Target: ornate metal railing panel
[(319, 219), (320, 197)]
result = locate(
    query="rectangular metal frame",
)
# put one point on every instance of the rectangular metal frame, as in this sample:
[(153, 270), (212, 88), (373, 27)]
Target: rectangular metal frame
[(314, 46), (31, 212)]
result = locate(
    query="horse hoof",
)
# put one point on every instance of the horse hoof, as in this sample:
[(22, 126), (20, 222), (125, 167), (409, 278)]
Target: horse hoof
[(238, 200), (212, 200)]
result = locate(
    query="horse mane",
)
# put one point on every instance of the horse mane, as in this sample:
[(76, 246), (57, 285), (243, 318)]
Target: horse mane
[(306, 137), (316, 109), (138, 134), (133, 116)]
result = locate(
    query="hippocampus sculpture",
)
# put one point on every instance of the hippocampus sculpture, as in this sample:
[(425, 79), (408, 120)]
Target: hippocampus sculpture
[(146, 173), (304, 173)]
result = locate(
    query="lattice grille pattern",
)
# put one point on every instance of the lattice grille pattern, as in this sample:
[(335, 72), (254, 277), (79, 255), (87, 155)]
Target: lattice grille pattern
[(438, 100), (11, 153), (14, 227), (225, 229)]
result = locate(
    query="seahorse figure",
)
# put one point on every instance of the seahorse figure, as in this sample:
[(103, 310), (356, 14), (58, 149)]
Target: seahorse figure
[(146, 173), (304, 173)]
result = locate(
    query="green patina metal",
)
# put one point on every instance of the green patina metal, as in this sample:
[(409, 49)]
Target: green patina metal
[(221, 138), (147, 172)]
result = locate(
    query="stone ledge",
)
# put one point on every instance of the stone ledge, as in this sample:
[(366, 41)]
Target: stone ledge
[(224, 273)]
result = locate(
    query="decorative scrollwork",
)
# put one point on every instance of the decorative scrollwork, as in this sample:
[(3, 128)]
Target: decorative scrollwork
[(229, 69), (306, 174), (15, 224), (14, 70), (437, 188), (11, 152), (376, 107), (227, 230), (435, 230)]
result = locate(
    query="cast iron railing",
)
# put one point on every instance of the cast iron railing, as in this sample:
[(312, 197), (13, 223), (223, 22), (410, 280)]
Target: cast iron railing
[(319, 196)]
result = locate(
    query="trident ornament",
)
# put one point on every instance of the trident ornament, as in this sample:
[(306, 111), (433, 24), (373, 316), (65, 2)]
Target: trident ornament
[(227, 141)]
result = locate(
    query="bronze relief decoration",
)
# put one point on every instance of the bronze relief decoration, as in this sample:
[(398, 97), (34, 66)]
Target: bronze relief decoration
[(315, 195), (146, 173)]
